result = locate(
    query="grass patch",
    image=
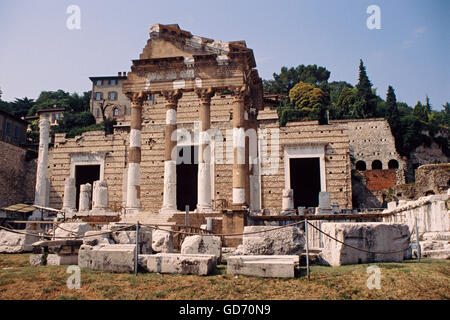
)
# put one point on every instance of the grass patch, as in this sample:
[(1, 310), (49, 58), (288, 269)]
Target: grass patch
[(429, 279)]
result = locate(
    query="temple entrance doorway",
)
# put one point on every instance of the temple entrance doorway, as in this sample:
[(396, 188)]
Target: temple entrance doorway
[(187, 179), (305, 181), (85, 174)]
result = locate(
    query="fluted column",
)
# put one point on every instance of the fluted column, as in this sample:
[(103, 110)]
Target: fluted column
[(134, 153), (204, 152), (170, 167), (240, 164)]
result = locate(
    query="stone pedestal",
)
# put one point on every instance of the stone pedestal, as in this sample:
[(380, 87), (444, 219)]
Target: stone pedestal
[(100, 195), (324, 203), (287, 202), (70, 194), (85, 197)]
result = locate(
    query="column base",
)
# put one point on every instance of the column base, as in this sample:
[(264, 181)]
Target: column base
[(168, 210), (132, 212), (204, 209)]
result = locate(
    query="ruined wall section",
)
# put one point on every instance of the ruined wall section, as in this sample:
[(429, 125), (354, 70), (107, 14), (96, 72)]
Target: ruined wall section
[(372, 139), (337, 159), (59, 165), (17, 175)]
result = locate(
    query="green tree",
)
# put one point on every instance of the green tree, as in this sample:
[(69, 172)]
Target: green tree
[(310, 100), (421, 111), (20, 107), (282, 83), (392, 112), (367, 98)]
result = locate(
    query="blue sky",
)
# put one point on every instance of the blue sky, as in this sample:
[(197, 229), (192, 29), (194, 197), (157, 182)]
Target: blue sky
[(410, 52)]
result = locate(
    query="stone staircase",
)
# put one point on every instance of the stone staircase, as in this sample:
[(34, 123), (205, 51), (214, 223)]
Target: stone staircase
[(150, 218)]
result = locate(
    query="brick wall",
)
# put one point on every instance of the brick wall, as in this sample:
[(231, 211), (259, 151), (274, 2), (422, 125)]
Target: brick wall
[(379, 179), (17, 176)]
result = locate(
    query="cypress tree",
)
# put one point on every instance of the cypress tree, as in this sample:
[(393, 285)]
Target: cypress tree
[(364, 88)]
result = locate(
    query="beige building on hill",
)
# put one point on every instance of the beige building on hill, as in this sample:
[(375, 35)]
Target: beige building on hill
[(194, 130), (107, 91)]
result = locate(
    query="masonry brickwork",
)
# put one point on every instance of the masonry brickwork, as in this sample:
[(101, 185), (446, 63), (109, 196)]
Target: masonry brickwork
[(17, 175)]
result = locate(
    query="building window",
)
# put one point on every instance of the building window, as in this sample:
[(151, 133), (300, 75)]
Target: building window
[(8, 128), (16, 132), (149, 97), (116, 112), (112, 95), (53, 118), (113, 82), (98, 82), (377, 165), (393, 164), (98, 96), (98, 113), (360, 165)]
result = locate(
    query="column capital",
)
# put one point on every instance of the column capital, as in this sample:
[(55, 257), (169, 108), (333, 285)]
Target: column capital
[(136, 98), (238, 92), (205, 94), (172, 96)]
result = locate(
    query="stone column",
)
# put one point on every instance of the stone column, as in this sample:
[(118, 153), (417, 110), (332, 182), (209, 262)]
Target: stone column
[(100, 195), (204, 152), (41, 193), (85, 197), (240, 168), (170, 155), (70, 194), (134, 154)]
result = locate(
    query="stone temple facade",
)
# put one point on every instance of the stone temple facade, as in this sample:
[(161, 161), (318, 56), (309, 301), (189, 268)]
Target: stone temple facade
[(205, 139)]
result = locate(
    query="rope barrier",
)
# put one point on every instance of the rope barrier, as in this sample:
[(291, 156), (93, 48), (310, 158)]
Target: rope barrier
[(353, 247)]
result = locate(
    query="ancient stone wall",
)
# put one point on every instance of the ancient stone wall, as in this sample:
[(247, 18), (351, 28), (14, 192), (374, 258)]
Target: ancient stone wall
[(371, 140), (17, 175), (336, 155)]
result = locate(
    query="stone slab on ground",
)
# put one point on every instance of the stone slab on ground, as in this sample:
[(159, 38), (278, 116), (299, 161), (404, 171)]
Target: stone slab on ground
[(57, 260), (129, 237), (284, 241), (274, 266), (371, 236), (15, 243), (195, 264), (113, 257), (443, 254), (202, 245)]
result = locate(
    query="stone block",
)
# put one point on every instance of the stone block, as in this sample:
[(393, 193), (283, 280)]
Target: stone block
[(15, 243), (197, 244), (162, 241), (113, 257), (72, 229), (371, 236), (93, 238), (285, 241), (37, 260), (324, 200), (129, 237), (57, 260), (196, 264), (263, 266)]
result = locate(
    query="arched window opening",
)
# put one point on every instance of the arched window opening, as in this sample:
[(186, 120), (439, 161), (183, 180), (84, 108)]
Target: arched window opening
[(360, 165), (376, 165)]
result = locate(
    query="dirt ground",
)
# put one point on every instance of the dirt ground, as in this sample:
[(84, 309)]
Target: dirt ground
[(429, 279)]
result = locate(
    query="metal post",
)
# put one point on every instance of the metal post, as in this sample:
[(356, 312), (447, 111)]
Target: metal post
[(54, 230), (137, 250), (307, 248), (187, 216), (419, 251)]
